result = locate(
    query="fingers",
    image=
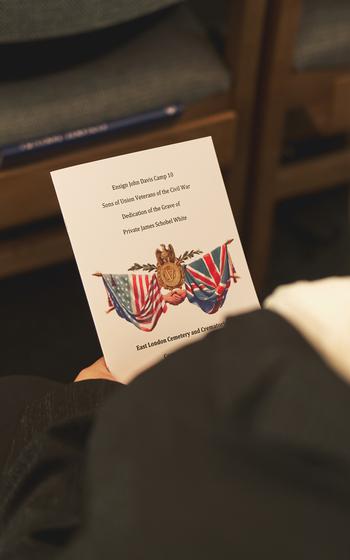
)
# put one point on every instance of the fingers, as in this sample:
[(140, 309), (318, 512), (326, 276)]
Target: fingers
[(98, 370)]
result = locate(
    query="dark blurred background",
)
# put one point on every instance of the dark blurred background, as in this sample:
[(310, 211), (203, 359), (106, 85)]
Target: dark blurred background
[(268, 79)]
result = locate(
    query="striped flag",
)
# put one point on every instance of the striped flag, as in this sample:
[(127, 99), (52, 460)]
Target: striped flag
[(208, 279), (136, 298)]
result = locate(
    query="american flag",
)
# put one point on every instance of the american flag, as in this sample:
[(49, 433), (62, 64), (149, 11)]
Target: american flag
[(208, 279), (136, 298)]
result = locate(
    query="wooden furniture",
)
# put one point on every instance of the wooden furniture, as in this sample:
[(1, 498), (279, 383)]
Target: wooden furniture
[(325, 95), (26, 192)]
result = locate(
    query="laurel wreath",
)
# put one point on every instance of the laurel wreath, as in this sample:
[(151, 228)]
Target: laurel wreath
[(188, 255), (181, 259), (146, 267)]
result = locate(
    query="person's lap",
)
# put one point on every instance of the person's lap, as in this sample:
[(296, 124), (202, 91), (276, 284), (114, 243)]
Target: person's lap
[(17, 392)]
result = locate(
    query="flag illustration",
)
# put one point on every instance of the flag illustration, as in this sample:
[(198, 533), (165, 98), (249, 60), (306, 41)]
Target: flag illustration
[(208, 279), (136, 298)]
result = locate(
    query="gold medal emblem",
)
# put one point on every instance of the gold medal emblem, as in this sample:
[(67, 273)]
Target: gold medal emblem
[(169, 272), (170, 275)]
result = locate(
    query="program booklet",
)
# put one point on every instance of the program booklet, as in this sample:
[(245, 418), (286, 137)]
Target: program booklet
[(157, 249)]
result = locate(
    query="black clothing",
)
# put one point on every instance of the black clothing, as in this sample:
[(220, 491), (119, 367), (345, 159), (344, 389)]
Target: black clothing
[(235, 447)]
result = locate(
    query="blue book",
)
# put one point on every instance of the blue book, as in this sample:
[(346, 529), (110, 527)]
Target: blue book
[(13, 153)]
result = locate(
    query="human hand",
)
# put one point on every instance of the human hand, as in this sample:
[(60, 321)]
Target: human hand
[(175, 297), (98, 370)]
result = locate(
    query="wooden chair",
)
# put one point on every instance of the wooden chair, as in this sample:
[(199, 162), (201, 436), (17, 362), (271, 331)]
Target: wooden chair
[(325, 95), (30, 235)]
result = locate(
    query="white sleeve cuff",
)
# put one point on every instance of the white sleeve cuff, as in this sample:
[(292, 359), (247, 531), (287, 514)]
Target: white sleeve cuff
[(321, 312)]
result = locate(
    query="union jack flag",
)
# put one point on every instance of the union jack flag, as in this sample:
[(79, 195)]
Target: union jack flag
[(208, 279), (136, 298)]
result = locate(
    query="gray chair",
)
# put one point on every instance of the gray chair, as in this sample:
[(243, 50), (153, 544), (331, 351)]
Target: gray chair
[(82, 62), (306, 71), (168, 60)]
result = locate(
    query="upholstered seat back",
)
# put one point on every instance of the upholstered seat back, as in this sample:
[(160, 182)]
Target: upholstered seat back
[(170, 60), (27, 20), (324, 35)]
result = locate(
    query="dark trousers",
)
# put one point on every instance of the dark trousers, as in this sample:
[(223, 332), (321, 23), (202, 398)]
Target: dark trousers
[(235, 447)]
